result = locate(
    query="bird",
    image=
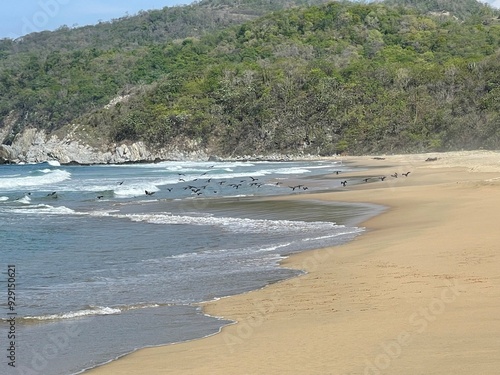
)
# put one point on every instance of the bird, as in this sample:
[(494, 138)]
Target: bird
[(100, 196), (305, 188), (278, 183), (382, 178), (253, 179), (182, 180), (395, 175), (149, 192), (169, 189), (366, 179), (344, 183), (53, 194), (121, 183), (337, 172), (406, 174)]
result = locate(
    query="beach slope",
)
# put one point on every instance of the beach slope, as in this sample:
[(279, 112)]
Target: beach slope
[(418, 293)]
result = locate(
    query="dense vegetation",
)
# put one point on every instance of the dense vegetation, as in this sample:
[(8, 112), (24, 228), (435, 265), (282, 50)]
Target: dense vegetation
[(340, 77)]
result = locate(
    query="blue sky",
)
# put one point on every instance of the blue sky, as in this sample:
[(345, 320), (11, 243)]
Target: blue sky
[(22, 17)]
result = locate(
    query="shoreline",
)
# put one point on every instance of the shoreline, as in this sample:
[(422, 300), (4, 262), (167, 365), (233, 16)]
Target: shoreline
[(375, 303)]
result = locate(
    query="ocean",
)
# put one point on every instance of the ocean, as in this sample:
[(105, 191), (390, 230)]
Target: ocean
[(103, 260)]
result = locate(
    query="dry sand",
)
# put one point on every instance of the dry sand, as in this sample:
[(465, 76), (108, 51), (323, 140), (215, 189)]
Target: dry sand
[(418, 293)]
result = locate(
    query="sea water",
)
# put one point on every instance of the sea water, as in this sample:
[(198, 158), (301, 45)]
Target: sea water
[(103, 268)]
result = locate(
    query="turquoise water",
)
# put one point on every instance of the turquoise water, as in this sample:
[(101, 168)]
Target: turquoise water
[(103, 269)]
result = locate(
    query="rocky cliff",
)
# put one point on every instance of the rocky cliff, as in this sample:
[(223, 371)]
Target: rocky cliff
[(36, 146)]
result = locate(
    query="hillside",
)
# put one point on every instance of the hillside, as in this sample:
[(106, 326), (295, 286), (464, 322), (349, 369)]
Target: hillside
[(339, 77)]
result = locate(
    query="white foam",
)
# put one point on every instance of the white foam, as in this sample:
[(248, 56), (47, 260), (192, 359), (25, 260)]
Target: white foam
[(134, 190), (3, 199), (45, 209), (240, 225), (54, 163), (24, 200), (92, 311), (19, 183)]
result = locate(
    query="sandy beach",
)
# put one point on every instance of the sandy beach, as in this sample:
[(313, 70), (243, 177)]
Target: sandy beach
[(418, 293)]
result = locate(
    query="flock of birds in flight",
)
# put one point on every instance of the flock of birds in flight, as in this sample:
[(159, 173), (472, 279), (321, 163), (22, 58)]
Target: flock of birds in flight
[(251, 181), (199, 190)]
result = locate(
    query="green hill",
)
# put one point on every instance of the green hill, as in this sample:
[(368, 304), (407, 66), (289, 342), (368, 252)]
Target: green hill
[(338, 77)]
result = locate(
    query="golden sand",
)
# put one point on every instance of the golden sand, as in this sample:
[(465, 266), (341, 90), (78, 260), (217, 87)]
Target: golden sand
[(418, 293)]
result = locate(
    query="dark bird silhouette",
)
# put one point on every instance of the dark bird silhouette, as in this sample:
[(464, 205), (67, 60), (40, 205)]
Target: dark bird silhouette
[(382, 178), (253, 179), (221, 182), (100, 196), (431, 159), (406, 174), (209, 180), (395, 175), (337, 172), (366, 179), (53, 194), (343, 183), (182, 180), (120, 183), (149, 192), (169, 189), (278, 183), (305, 188), (203, 174), (181, 174)]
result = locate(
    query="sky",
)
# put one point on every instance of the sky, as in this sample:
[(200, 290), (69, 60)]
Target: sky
[(22, 17)]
